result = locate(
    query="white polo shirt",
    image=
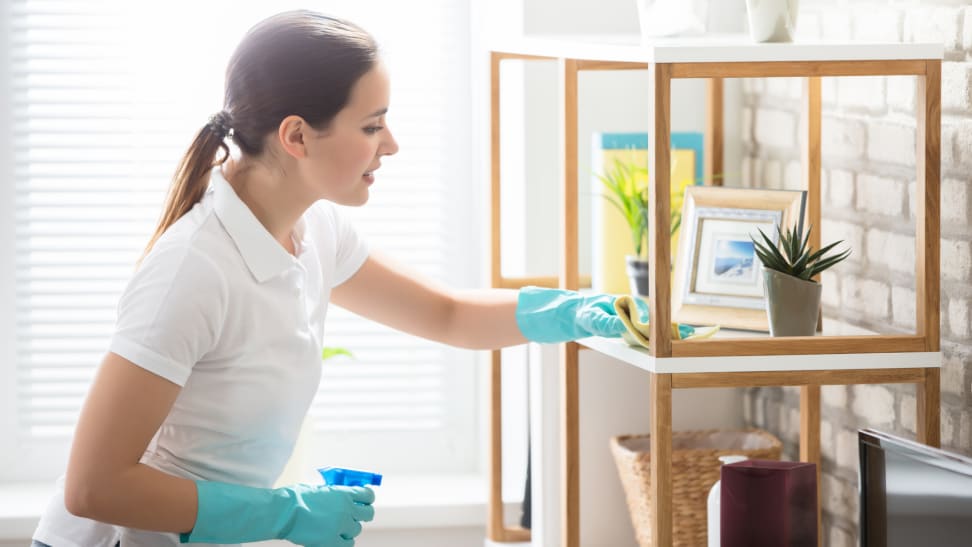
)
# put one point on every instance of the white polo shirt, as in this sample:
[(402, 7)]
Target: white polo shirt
[(223, 310)]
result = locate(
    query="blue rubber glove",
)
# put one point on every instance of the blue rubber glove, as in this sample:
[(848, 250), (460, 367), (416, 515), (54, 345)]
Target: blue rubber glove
[(305, 514), (555, 315)]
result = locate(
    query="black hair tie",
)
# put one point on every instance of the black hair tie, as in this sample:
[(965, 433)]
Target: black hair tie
[(219, 123)]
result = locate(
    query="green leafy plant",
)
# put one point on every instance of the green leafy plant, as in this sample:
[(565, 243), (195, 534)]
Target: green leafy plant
[(627, 185), (329, 352), (792, 255)]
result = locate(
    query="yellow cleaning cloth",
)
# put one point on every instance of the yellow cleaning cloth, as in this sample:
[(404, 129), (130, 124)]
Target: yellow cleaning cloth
[(639, 332)]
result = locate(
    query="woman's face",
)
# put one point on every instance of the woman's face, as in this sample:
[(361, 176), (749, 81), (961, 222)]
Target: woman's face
[(344, 157)]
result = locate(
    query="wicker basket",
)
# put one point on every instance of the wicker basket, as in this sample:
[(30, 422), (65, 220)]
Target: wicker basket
[(695, 468)]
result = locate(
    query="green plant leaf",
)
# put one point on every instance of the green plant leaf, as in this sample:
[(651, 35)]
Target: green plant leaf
[(771, 248), (793, 255), (626, 187), (817, 255), (828, 262), (329, 352)]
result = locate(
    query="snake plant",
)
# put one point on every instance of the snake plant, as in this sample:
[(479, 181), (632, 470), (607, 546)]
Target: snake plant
[(793, 255)]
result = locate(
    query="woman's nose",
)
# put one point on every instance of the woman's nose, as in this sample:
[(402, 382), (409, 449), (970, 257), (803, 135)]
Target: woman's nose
[(390, 146)]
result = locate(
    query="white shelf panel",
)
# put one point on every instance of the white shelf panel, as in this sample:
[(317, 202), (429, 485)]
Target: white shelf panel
[(639, 357), (710, 48)]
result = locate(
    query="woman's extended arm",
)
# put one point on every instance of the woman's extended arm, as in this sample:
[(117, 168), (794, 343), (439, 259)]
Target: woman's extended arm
[(389, 293), (105, 481)]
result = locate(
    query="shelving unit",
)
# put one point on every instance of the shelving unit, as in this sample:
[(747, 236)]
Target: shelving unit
[(839, 355)]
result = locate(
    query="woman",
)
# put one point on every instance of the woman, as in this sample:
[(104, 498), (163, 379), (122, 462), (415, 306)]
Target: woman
[(216, 353)]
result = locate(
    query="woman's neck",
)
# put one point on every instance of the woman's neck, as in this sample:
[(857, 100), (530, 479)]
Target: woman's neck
[(270, 198)]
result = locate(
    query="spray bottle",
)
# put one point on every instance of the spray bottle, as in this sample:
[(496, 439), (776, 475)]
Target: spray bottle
[(713, 503)]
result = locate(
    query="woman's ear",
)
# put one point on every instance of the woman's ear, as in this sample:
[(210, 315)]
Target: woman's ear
[(292, 133)]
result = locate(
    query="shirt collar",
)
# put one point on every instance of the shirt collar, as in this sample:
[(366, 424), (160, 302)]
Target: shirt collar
[(263, 255)]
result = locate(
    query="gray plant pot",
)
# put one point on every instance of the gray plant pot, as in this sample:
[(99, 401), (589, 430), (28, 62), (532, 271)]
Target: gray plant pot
[(792, 304), (637, 269)]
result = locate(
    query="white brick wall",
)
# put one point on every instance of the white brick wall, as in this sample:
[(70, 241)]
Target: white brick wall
[(949, 131), (846, 448), (870, 25), (895, 251), (772, 176), (956, 260), (793, 176), (901, 93), (875, 404), (837, 498), (891, 143), (868, 184), (967, 28), (933, 24), (775, 128), (827, 440), (790, 88), (840, 188), (835, 396), (958, 317), (908, 413), (838, 537), (956, 89), (842, 138), (866, 296), (903, 307), (830, 294), (881, 195), (861, 92), (828, 91), (835, 26), (963, 142), (953, 372), (746, 124)]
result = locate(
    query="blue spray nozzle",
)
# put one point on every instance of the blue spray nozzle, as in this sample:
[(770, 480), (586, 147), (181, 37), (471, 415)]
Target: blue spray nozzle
[(339, 476)]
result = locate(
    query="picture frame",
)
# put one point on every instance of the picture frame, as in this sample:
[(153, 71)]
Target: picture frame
[(718, 279)]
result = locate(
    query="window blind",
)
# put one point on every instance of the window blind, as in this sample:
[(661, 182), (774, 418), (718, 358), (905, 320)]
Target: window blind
[(104, 98)]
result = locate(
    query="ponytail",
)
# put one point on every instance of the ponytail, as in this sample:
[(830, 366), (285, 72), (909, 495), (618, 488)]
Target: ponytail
[(190, 181)]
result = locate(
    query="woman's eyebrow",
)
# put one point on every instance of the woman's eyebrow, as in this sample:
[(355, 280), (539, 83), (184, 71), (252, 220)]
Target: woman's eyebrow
[(376, 113)]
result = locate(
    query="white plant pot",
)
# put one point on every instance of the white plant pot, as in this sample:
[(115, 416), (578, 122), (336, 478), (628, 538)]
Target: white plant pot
[(772, 20)]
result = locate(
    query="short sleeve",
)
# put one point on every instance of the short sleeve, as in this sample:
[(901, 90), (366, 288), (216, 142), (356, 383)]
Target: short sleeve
[(171, 313), (351, 250)]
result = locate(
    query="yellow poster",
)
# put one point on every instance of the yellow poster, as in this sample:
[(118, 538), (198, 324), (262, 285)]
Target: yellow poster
[(612, 237)]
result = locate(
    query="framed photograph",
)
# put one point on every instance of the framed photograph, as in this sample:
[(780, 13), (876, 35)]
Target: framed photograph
[(718, 278)]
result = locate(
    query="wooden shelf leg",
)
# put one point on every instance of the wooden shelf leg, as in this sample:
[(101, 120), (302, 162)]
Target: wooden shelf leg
[(494, 528), (810, 439), (928, 116), (661, 460), (569, 279), (811, 114), (714, 132), (570, 435), (928, 407)]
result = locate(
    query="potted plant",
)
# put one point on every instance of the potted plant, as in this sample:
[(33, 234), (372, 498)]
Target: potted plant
[(789, 268), (627, 189)]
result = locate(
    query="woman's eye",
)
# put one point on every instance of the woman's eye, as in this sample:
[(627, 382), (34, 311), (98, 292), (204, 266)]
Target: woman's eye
[(371, 130)]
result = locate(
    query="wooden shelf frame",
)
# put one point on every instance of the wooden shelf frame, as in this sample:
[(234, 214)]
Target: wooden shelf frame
[(927, 242)]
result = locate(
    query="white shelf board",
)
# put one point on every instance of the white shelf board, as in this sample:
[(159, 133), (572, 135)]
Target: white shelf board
[(639, 357), (709, 48)]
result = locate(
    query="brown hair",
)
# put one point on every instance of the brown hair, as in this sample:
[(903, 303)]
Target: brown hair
[(294, 63)]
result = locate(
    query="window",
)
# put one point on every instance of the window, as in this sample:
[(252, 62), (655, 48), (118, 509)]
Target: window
[(102, 99)]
